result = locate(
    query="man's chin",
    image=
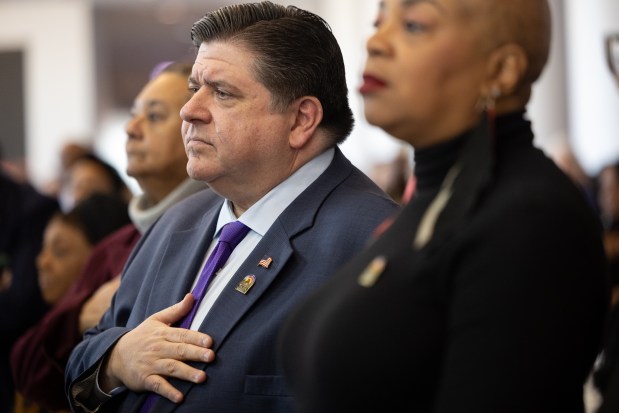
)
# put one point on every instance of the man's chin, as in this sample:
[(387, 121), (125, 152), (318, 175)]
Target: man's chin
[(197, 173)]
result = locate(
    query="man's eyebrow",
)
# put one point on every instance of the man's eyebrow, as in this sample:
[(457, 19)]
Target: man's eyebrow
[(211, 83), (217, 84)]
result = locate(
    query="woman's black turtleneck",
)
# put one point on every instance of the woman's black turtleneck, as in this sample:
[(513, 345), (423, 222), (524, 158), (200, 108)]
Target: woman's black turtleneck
[(501, 312)]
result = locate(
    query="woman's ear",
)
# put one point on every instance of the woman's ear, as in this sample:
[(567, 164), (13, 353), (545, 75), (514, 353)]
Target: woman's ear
[(308, 115), (507, 66)]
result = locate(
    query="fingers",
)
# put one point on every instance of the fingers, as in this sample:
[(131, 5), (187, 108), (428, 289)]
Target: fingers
[(146, 356), (145, 363), (190, 351), (183, 335), (176, 312), (172, 368), (164, 369), (114, 283), (94, 308), (159, 385), (178, 370)]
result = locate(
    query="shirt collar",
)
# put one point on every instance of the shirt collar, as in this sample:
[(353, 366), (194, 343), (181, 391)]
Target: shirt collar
[(260, 216)]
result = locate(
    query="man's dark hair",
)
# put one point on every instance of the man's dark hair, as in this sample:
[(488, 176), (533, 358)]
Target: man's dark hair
[(296, 55)]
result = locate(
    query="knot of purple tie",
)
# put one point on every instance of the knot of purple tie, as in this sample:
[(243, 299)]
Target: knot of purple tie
[(233, 232)]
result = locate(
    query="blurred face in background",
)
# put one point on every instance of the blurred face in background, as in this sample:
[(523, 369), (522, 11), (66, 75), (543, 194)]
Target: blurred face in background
[(608, 195), (154, 145), (88, 177), (424, 71), (64, 254)]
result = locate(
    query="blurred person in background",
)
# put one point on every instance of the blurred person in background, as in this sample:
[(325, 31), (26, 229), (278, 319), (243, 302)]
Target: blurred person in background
[(24, 214), (156, 159), (607, 363), (606, 371), (612, 54), (88, 174), (69, 239), (393, 177), (69, 152), (565, 159), (608, 201), (67, 243)]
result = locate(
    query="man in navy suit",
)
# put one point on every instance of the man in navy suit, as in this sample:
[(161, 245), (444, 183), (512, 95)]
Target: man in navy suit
[(269, 107)]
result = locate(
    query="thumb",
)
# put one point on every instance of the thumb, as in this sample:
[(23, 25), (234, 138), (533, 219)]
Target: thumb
[(175, 312)]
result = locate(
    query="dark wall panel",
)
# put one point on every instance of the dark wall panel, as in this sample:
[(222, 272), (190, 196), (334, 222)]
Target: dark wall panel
[(12, 129)]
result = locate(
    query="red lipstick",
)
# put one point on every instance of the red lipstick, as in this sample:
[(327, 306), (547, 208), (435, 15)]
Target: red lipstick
[(371, 84)]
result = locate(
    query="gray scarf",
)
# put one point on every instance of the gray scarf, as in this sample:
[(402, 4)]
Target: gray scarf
[(143, 214)]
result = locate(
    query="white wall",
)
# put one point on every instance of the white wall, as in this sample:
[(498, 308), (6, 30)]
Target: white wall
[(593, 96), (56, 39), (548, 106)]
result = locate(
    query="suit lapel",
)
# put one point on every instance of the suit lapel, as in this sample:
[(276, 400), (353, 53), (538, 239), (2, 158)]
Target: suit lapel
[(232, 305), (180, 263), (177, 272)]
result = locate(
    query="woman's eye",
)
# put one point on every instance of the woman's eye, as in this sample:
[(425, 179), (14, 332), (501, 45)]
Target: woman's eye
[(59, 252), (414, 27), (154, 117)]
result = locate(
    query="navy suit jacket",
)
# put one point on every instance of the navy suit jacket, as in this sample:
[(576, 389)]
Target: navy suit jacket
[(324, 227)]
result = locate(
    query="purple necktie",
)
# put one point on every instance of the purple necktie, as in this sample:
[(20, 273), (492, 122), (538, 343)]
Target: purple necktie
[(231, 234)]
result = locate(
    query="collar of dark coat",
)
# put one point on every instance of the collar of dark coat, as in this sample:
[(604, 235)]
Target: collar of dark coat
[(462, 188)]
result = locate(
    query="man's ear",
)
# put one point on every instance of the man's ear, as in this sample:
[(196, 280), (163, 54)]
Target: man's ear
[(506, 70), (308, 115)]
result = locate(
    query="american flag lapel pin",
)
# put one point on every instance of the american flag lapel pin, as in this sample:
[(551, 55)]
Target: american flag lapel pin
[(265, 262)]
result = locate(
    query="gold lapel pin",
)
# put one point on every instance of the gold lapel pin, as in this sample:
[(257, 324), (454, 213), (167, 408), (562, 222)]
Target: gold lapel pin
[(265, 262), (246, 284), (372, 272)]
